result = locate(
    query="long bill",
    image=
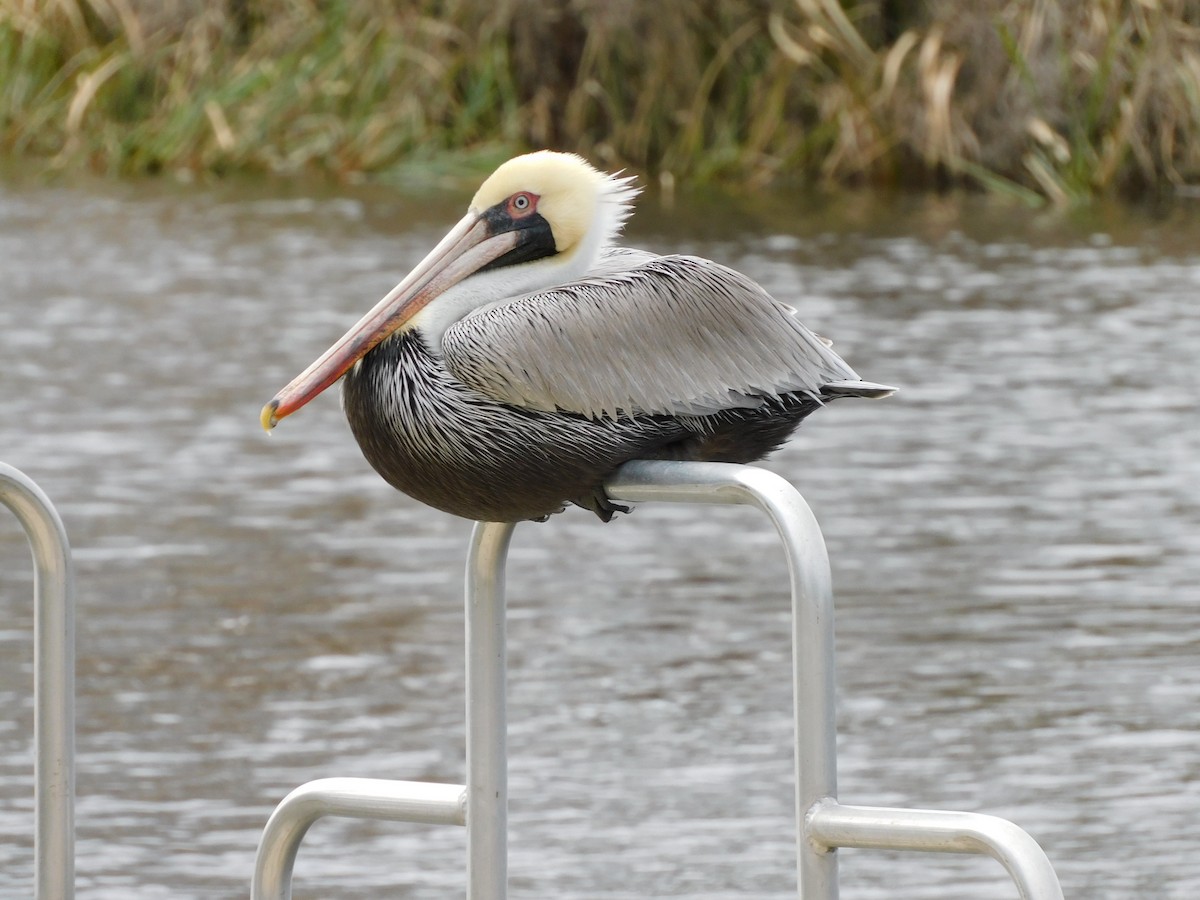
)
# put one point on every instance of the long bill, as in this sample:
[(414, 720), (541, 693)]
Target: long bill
[(468, 247)]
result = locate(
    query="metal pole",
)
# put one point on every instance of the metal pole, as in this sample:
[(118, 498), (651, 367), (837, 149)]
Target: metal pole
[(942, 831), (360, 798), (813, 672), (53, 685), (487, 717)]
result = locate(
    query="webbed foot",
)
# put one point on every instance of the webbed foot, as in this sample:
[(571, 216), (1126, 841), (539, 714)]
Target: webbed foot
[(600, 503)]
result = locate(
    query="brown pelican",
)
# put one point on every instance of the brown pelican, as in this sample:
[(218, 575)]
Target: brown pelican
[(527, 357)]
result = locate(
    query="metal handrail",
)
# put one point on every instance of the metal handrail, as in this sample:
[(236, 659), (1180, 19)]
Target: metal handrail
[(360, 798), (813, 673), (831, 824), (487, 713), (481, 805), (822, 823), (53, 685)]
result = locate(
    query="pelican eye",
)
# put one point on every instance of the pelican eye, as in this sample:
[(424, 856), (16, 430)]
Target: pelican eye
[(521, 204)]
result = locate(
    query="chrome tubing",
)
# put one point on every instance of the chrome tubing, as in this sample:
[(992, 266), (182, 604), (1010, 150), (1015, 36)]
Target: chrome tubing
[(834, 825), (822, 823), (481, 805), (813, 671), (53, 685), (487, 713), (359, 798)]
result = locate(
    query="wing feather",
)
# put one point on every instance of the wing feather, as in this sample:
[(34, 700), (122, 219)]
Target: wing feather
[(641, 333)]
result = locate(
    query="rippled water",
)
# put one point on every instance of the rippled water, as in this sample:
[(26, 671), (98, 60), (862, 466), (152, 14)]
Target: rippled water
[(1014, 539)]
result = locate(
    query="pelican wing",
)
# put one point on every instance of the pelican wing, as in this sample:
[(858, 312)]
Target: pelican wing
[(640, 333)]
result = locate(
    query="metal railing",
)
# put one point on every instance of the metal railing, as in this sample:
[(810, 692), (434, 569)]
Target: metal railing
[(53, 685), (823, 824)]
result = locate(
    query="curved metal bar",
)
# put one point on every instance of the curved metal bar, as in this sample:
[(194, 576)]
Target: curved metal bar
[(487, 713), (361, 798), (813, 672), (53, 684), (822, 823), (834, 825)]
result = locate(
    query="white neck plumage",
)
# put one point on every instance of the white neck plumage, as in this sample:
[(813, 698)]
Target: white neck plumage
[(613, 205)]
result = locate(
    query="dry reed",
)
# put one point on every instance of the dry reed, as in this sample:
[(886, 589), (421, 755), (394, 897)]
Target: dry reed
[(1058, 100)]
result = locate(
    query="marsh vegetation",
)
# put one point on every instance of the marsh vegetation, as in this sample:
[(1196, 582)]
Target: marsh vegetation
[(1044, 100)]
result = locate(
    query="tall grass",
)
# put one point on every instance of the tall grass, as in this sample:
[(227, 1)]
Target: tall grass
[(1058, 100), (1061, 100), (339, 87)]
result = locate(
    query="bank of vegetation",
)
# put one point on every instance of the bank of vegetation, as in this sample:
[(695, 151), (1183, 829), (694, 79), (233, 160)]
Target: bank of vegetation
[(1044, 100)]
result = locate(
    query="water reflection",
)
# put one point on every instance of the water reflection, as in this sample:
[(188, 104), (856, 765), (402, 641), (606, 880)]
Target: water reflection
[(1014, 539)]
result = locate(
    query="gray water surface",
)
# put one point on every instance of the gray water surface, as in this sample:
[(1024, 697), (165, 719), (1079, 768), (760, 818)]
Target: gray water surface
[(1015, 540)]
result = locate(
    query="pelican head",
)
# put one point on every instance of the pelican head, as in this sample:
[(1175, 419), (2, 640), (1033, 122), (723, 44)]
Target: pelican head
[(583, 208), (539, 220)]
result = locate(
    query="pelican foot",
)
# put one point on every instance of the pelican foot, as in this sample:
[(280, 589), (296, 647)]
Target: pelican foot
[(601, 505)]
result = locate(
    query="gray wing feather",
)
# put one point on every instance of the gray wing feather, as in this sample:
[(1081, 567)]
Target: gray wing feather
[(640, 333)]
